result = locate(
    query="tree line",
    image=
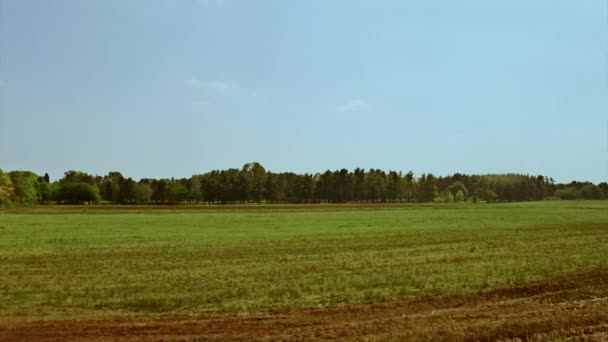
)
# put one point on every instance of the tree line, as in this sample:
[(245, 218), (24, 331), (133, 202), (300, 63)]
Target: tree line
[(254, 184)]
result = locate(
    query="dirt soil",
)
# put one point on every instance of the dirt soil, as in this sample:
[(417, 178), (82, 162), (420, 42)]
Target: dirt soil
[(573, 308)]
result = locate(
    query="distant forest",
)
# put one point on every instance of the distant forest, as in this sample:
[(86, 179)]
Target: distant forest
[(254, 184)]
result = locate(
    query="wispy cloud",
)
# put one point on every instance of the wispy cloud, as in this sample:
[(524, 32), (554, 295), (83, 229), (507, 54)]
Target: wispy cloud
[(353, 106), (217, 86)]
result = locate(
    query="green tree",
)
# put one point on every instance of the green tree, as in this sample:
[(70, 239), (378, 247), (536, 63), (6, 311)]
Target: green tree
[(76, 193), (176, 192), (78, 177), (376, 185), (44, 189), (142, 192), (439, 198), (126, 193), (240, 189), (426, 188), (255, 175), (591, 192), (6, 189), (457, 186), (489, 196), (160, 190), (26, 187), (448, 197), (408, 186), (110, 186), (195, 192), (271, 188), (566, 194), (604, 187), (459, 196), (393, 186), (342, 186), (303, 188), (359, 186)]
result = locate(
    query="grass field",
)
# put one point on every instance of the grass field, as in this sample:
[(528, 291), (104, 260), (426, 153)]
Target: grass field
[(60, 265)]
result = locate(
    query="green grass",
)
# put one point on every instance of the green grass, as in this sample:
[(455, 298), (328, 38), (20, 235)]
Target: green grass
[(89, 265)]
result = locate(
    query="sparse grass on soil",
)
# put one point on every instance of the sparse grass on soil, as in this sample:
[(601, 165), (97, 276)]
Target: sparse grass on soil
[(117, 264)]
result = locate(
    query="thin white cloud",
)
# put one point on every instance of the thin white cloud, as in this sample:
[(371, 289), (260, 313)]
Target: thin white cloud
[(353, 106), (217, 86)]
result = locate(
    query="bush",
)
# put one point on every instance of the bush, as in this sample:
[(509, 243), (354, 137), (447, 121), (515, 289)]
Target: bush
[(456, 187), (591, 192), (6, 189), (448, 197), (459, 196), (76, 193), (489, 196), (26, 189), (566, 194)]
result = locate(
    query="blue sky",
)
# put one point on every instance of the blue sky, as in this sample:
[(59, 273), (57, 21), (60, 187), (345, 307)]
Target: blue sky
[(176, 87)]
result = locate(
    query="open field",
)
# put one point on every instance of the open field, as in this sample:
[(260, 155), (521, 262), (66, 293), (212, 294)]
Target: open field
[(486, 271)]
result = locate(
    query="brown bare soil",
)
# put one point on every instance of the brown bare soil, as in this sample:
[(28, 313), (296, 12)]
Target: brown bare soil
[(573, 308)]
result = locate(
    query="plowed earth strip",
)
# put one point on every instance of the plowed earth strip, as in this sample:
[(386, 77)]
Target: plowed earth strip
[(573, 308)]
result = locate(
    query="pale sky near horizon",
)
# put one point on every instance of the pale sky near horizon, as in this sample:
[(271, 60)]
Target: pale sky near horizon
[(162, 88)]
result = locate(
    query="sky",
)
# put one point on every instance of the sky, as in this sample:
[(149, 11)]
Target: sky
[(172, 88)]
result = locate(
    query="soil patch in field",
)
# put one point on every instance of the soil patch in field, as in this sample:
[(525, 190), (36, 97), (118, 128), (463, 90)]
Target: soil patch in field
[(568, 308)]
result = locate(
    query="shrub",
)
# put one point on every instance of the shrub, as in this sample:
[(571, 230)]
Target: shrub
[(76, 193), (566, 194), (456, 187), (591, 192), (459, 196), (448, 197), (6, 189), (489, 196)]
